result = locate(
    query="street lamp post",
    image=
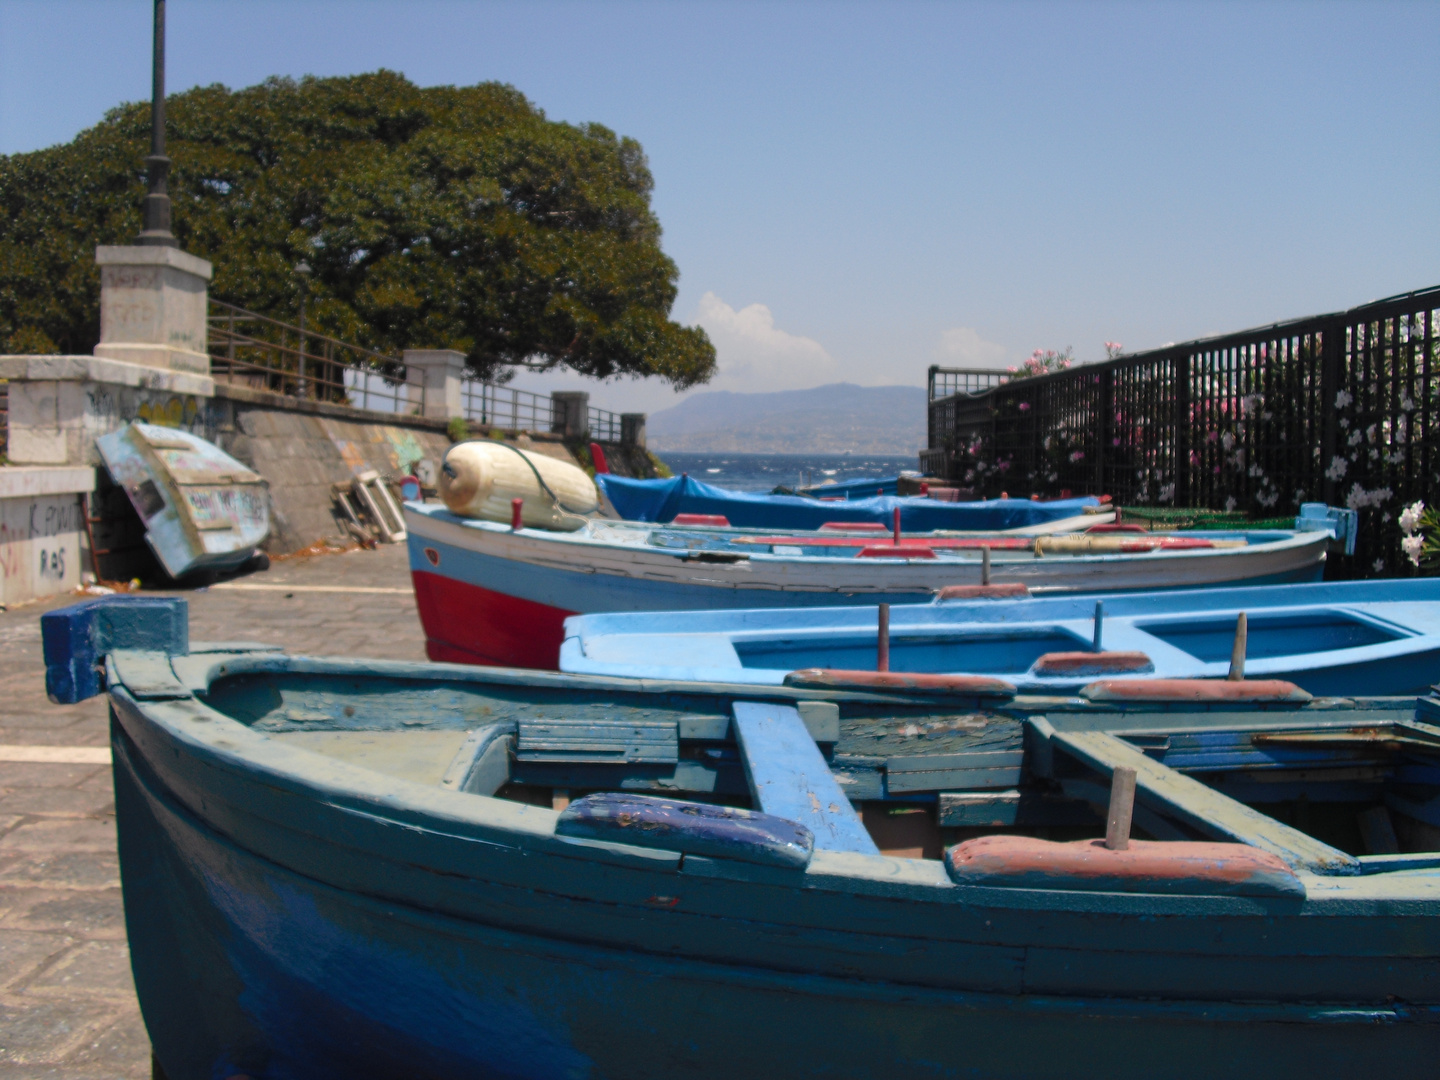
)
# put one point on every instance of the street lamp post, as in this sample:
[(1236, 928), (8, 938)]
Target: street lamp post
[(157, 200)]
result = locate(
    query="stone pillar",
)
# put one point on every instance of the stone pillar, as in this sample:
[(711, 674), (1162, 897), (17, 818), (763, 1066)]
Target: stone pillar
[(632, 429), (153, 304), (571, 413), (440, 373)]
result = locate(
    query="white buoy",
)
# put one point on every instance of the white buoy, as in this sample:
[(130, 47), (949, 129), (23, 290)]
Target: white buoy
[(481, 479)]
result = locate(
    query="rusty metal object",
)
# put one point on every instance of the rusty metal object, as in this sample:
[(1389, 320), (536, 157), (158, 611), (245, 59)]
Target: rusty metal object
[(1007, 591), (1093, 663), (1145, 866), (909, 682), (1196, 690)]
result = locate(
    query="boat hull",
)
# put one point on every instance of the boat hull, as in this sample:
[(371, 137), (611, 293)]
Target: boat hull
[(297, 923), (489, 595)]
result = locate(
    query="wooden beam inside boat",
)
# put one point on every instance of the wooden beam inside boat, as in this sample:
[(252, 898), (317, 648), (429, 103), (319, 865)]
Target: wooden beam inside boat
[(1201, 807), (789, 777)]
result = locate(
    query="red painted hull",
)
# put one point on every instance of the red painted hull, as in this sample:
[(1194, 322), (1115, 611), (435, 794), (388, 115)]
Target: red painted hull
[(465, 624)]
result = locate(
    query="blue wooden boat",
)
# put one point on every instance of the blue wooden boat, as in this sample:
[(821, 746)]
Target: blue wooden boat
[(491, 594), (683, 496), (372, 870), (1336, 638)]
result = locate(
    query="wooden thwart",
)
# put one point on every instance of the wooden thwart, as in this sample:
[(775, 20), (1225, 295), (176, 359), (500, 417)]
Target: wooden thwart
[(789, 778)]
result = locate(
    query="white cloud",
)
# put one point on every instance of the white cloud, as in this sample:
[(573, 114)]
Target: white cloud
[(963, 347), (753, 354)]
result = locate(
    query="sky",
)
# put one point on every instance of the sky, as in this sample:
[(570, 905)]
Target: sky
[(856, 191)]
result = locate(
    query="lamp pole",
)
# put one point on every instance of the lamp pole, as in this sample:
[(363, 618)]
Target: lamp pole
[(157, 199)]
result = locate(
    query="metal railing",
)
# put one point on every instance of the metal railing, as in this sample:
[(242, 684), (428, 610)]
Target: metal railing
[(946, 381), (510, 409), (505, 407), (250, 349), (1341, 408), (604, 425)]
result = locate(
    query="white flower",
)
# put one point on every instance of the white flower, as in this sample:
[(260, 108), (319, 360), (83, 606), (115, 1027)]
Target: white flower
[(1355, 437), (1412, 546), (1343, 399), (1230, 504), (1337, 468), (1410, 518), (1227, 440), (1379, 565)]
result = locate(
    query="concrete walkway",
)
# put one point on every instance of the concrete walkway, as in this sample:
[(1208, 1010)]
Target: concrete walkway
[(67, 1005)]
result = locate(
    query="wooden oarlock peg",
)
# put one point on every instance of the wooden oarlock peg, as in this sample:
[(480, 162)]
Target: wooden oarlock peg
[(1122, 808), (1237, 650), (882, 641)]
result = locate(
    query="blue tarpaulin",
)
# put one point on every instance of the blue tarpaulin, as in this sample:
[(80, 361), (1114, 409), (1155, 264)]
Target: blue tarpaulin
[(661, 500)]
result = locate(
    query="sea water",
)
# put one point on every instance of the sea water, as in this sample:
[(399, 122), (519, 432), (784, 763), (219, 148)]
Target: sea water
[(764, 472)]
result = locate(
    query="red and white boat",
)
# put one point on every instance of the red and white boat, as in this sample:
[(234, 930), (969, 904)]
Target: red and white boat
[(492, 594)]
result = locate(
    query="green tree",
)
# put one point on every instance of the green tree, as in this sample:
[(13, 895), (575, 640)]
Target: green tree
[(448, 217)]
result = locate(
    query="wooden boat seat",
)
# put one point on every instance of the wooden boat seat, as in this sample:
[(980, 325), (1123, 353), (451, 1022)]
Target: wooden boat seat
[(701, 519), (909, 682), (724, 832), (1195, 690), (1092, 663), (418, 755), (790, 778), (1146, 866)]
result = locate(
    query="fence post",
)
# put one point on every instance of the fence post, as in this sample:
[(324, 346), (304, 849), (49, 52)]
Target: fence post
[(440, 371), (1331, 346), (1181, 442)]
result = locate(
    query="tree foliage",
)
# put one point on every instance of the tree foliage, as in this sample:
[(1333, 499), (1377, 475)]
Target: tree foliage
[(447, 217)]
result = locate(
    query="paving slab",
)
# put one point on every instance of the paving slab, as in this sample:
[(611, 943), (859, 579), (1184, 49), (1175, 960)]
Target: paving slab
[(67, 1004)]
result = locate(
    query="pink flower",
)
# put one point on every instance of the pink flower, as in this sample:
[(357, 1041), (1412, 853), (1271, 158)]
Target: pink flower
[(1078, 455), (1024, 406)]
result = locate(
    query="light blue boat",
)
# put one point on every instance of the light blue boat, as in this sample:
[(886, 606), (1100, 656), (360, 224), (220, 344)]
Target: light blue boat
[(1336, 638), (373, 870)]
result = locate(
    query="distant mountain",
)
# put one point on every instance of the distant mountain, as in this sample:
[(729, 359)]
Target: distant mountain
[(823, 420)]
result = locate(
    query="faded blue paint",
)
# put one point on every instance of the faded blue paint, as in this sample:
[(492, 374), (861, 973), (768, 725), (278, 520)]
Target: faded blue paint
[(1342, 638), (77, 638), (292, 915)]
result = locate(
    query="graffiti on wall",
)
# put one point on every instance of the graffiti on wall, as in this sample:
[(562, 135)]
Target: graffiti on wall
[(39, 546)]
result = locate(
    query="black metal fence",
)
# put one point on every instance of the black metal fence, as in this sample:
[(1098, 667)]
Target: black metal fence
[(1341, 408)]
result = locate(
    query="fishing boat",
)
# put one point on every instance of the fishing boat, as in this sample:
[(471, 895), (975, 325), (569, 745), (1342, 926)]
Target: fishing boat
[(490, 593), (372, 870), (683, 498), (1335, 638), (202, 509)]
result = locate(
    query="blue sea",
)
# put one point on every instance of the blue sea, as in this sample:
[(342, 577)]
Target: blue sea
[(764, 472)]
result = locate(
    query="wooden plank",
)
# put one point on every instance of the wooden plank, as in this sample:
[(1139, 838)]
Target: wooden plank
[(148, 675), (628, 741), (789, 778), (956, 779), (993, 809), (1203, 808)]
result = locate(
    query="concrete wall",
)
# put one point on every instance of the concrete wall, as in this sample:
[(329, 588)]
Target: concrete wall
[(41, 531)]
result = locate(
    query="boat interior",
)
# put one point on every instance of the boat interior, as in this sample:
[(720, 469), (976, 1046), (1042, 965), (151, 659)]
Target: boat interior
[(1331, 786)]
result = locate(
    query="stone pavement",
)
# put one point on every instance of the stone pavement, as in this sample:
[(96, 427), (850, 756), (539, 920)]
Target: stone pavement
[(67, 1005)]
